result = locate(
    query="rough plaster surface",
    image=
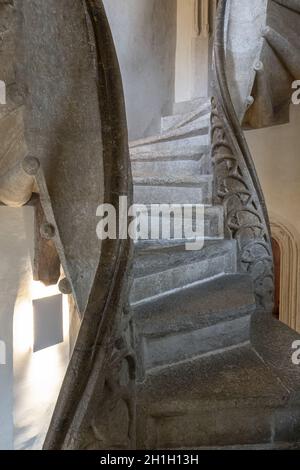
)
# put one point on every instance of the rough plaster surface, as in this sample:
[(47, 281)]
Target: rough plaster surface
[(276, 155), (145, 36), (29, 383), (193, 51), (185, 35), (12, 264)]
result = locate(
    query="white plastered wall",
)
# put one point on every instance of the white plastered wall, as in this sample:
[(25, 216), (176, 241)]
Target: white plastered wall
[(29, 382)]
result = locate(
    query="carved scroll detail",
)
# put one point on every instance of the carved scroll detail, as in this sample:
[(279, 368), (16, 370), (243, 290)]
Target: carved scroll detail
[(236, 185), (244, 221)]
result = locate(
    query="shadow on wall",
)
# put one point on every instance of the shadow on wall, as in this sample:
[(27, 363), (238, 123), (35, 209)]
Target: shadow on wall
[(144, 32), (37, 375)]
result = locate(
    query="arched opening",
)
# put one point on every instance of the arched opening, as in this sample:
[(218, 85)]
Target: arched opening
[(286, 247)]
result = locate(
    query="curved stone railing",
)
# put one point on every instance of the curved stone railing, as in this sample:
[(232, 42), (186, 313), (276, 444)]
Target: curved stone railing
[(236, 184), (277, 65), (99, 387)]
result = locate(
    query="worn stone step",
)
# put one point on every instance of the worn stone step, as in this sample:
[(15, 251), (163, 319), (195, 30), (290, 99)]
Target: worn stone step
[(177, 121), (281, 445), (194, 126), (170, 154), (182, 107), (227, 398), (209, 227), (191, 148), (199, 319), (161, 271), (172, 179), (197, 306), (173, 190), (171, 169)]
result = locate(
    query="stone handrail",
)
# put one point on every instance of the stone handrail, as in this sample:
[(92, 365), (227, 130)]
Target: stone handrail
[(100, 380), (236, 184)]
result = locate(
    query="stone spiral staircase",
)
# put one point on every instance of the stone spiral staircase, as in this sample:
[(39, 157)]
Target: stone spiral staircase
[(201, 382), (177, 295), (214, 369)]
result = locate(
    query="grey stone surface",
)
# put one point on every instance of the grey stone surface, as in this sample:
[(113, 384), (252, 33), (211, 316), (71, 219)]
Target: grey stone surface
[(202, 375), (201, 318), (163, 349), (245, 21), (195, 125), (200, 306), (172, 179), (15, 186), (63, 123), (221, 400), (189, 106), (209, 428), (145, 36), (273, 341), (213, 224), (184, 192), (182, 149), (174, 169), (262, 59), (166, 272), (170, 122), (166, 154), (196, 366), (287, 425)]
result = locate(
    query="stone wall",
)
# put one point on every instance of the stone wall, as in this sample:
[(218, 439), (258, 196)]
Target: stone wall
[(276, 156), (145, 36), (185, 35)]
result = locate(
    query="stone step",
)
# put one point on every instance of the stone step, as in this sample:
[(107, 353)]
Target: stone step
[(192, 148), (206, 164), (194, 126), (161, 271), (171, 169), (189, 106), (259, 446), (173, 190), (172, 179), (227, 398), (209, 225), (199, 319), (201, 116)]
